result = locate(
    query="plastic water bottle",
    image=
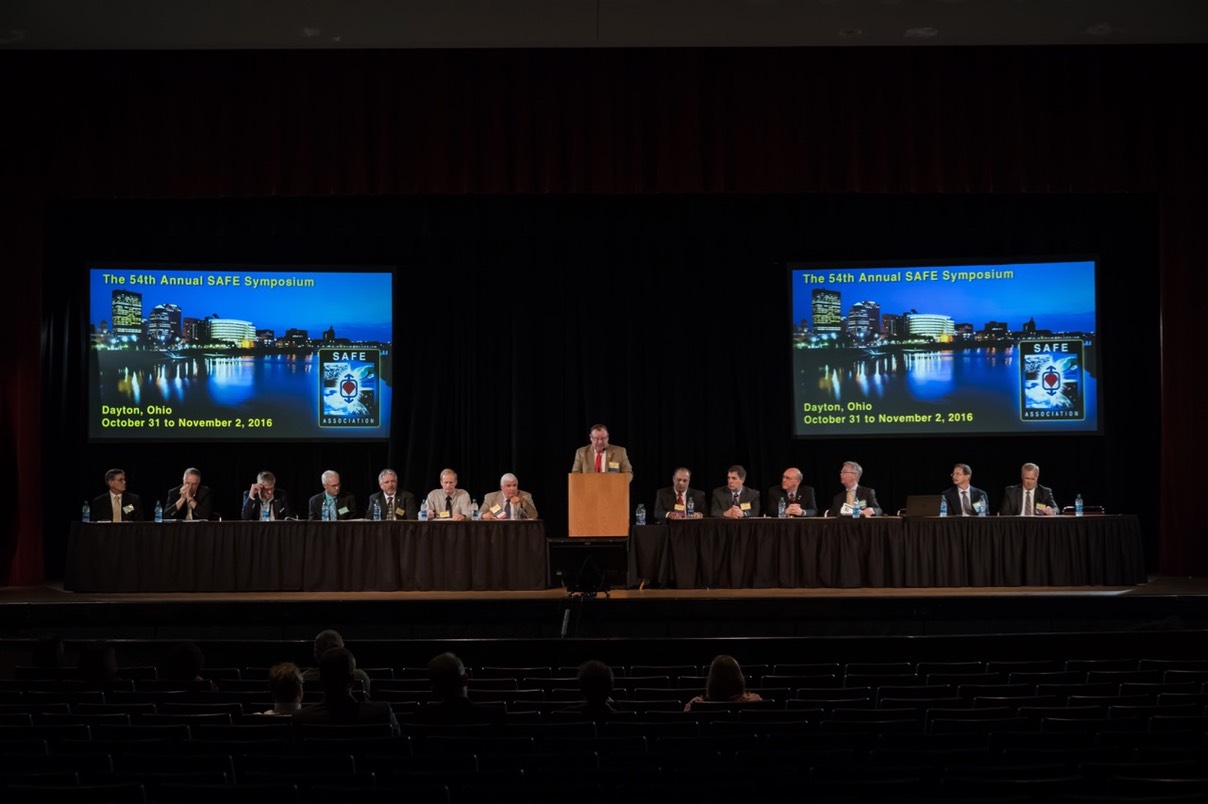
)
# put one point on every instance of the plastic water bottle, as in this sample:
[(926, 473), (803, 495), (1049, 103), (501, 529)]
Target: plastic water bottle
[(943, 506), (641, 514), (159, 512), (690, 509), (265, 512), (780, 509), (1078, 505), (474, 512), (856, 508), (423, 511), (377, 512), (86, 512)]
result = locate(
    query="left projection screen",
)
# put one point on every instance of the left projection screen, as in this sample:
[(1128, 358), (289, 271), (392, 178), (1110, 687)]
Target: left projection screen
[(239, 353)]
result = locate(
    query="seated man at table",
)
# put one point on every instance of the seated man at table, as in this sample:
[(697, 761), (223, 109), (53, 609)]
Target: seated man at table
[(509, 502), (798, 499), (448, 503), (116, 505), (190, 500), (264, 493), (1029, 498), (393, 502), (342, 504), (734, 500), (962, 497), (854, 495), (672, 502)]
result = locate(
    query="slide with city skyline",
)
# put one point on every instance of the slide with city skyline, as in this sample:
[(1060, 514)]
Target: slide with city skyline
[(239, 352), (944, 349)]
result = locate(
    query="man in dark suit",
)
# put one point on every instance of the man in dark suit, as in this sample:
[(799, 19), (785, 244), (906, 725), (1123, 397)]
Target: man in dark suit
[(393, 503), (191, 500), (117, 504), (798, 499), (343, 504), (337, 672), (264, 492), (672, 502), (600, 456), (734, 500), (1029, 498), (853, 494), (963, 498)]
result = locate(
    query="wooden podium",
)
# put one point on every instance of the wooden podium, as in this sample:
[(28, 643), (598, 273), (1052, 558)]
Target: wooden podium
[(598, 504)]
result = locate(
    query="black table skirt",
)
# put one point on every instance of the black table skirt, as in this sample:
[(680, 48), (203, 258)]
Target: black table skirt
[(306, 556), (889, 552)]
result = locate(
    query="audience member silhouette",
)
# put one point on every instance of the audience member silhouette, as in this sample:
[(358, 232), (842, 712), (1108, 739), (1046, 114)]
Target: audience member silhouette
[(98, 663), (725, 682), (337, 675), (450, 702), (595, 684), (285, 683), (325, 641), (183, 663)]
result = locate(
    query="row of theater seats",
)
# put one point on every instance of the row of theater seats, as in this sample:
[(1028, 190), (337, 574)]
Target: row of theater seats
[(958, 732)]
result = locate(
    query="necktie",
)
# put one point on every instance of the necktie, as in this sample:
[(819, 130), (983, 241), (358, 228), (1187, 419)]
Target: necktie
[(599, 462), (449, 504), (679, 500), (851, 496), (965, 509), (390, 508), (736, 498), (117, 507), (507, 510), (1029, 508)]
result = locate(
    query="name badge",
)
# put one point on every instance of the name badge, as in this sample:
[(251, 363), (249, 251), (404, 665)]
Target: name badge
[(613, 466), (679, 507), (744, 506), (342, 511), (495, 509), (400, 513), (128, 508), (444, 514)]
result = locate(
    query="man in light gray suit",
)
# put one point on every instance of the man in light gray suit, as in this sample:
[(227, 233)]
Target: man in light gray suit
[(509, 502)]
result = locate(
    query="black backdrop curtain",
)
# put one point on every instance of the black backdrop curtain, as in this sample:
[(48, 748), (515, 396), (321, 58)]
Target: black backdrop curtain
[(1036, 150)]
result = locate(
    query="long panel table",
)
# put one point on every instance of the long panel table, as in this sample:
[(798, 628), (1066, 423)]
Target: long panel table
[(889, 552), (306, 556)]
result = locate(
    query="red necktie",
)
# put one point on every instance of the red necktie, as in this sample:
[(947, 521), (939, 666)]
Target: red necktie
[(599, 462), (679, 499)]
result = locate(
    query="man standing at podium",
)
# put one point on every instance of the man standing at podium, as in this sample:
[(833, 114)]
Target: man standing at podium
[(672, 502), (600, 456)]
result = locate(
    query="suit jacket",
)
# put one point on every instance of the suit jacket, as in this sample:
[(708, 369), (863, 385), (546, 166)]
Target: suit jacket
[(863, 493), (203, 510), (1012, 499), (280, 504), (101, 510), (405, 506), (529, 511), (664, 502), (314, 506), (805, 498), (953, 495), (585, 460), (723, 500)]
